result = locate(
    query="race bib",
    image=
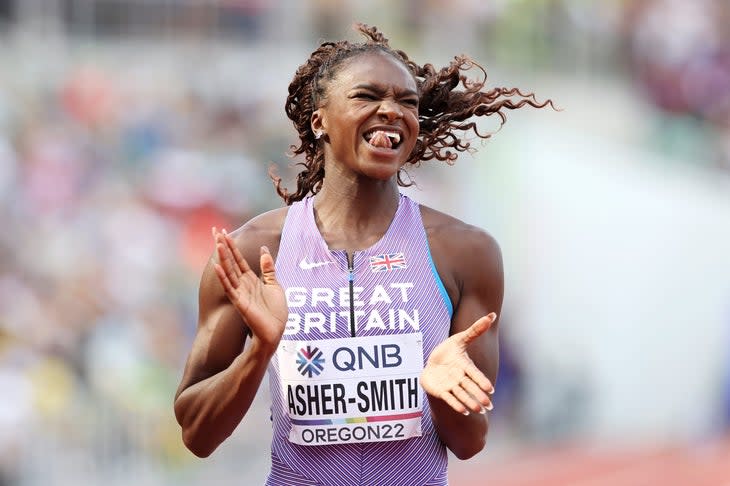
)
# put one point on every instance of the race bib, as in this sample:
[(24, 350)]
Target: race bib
[(352, 390)]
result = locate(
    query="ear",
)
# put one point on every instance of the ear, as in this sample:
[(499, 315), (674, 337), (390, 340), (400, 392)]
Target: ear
[(318, 122)]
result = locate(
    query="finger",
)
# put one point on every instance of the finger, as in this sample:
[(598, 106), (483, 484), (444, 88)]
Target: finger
[(466, 400), (475, 391), (479, 327), (224, 280), (226, 261), (225, 239), (479, 379), (214, 233), (268, 268), (454, 403), (241, 265)]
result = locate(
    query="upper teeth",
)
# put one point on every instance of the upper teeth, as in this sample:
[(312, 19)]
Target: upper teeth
[(394, 136)]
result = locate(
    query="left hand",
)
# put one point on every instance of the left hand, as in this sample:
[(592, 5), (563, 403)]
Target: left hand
[(451, 375)]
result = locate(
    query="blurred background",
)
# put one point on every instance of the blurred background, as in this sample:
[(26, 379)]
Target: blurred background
[(129, 127)]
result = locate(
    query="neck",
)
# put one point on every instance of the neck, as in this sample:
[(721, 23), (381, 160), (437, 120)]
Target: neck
[(354, 214)]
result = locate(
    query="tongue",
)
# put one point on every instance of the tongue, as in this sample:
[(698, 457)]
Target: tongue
[(380, 139)]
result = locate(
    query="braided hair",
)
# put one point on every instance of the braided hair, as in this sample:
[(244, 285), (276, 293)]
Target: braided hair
[(443, 109)]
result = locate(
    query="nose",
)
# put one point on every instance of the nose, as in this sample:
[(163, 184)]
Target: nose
[(390, 110)]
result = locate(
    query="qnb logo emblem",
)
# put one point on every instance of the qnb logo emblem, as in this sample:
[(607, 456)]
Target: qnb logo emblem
[(310, 361)]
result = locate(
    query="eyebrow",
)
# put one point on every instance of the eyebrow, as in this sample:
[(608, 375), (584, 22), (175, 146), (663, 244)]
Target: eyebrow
[(380, 89)]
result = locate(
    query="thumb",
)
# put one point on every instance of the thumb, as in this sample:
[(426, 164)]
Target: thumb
[(268, 271), (479, 327)]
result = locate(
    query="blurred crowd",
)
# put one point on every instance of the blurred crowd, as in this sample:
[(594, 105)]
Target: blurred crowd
[(110, 185), (680, 56), (114, 167)]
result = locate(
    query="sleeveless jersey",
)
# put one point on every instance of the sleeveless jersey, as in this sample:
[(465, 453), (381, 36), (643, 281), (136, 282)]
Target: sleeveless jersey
[(347, 408)]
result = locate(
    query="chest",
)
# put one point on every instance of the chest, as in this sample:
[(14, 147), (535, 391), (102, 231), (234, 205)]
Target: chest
[(364, 295)]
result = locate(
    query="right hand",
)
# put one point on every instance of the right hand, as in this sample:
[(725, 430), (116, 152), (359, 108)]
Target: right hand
[(260, 301)]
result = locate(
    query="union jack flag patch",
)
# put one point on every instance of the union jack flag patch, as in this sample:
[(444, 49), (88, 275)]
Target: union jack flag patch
[(387, 262)]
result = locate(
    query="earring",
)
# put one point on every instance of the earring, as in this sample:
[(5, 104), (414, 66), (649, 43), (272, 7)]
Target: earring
[(317, 135)]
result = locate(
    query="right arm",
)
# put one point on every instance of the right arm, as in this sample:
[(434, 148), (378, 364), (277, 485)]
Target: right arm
[(223, 374)]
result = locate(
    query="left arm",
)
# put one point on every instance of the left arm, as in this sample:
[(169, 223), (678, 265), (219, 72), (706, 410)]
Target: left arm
[(460, 373)]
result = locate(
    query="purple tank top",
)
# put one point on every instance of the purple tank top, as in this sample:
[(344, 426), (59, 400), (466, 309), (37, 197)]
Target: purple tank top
[(347, 408)]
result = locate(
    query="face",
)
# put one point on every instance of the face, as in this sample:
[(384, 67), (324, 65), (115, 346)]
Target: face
[(370, 116)]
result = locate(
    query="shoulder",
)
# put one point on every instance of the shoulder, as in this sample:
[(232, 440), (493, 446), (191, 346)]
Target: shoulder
[(262, 230), (446, 232), (465, 255)]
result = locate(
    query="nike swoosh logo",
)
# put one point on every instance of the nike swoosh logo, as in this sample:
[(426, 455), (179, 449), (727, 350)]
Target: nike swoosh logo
[(305, 265)]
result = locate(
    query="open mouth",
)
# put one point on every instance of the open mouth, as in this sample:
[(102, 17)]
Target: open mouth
[(383, 138)]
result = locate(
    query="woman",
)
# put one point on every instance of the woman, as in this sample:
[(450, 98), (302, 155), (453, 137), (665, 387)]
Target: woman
[(362, 300)]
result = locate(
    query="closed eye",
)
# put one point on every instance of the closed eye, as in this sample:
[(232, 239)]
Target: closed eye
[(365, 96)]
